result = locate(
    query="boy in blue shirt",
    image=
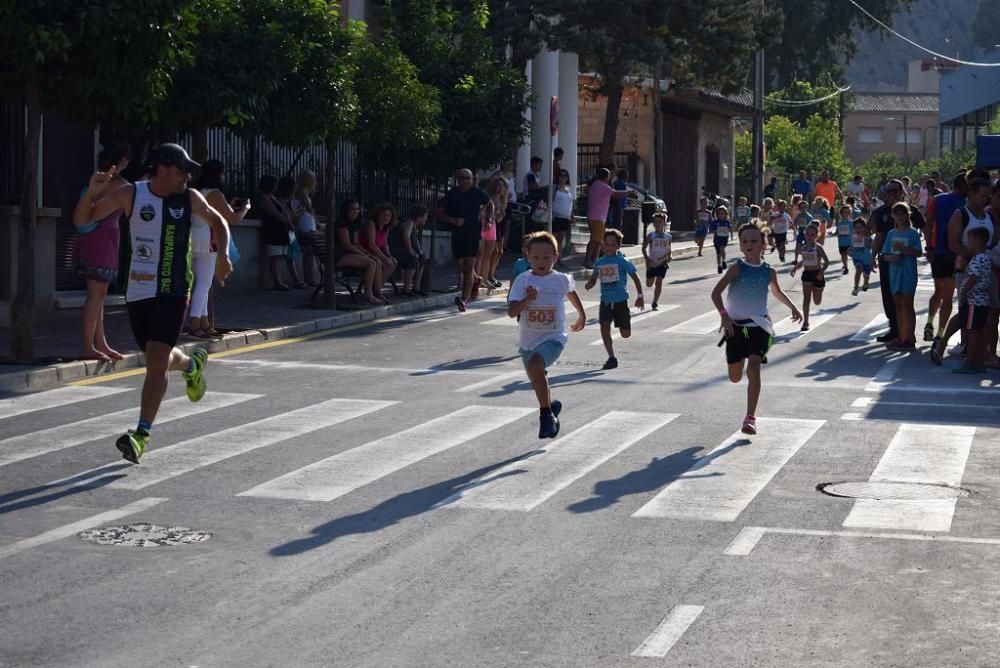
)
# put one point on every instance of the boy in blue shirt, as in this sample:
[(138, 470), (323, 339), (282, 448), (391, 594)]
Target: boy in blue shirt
[(861, 254), (521, 264), (612, 270), (721, 229), (845, 227)]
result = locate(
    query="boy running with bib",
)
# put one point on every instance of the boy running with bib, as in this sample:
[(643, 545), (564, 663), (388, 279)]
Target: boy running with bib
[(742, 213), (813, 263), (540, 296), (745, 318), (845, 228), (720, 229), (861, 255), (780, 222), (613, 271), (656, 250), (702, 218)]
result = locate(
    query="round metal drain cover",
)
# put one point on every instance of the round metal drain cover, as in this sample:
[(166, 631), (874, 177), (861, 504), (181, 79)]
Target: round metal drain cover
[(887, 490), (143, 534)]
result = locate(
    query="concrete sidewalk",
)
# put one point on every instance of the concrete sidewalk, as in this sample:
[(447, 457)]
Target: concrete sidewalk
[(246, 319)]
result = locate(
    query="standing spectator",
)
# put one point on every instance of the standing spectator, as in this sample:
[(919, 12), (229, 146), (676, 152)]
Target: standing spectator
[(562, 210), (347, 254), (880, 223), (95, 257), (374, 239), (925, 191), (210, 182), (856, 189), (618, 208), (488, 257), (901, 250), (534, 190), (939, 211), (404, 242), (283, 198), (599, 196), (769, 189), (465, 205), (275, 228), (557, 156), (801, 185), (305, 222)]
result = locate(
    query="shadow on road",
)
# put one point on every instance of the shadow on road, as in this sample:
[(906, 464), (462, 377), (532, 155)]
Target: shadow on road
[(465, 365), (75, 485)]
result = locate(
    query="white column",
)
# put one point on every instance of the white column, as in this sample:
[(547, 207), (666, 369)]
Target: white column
[(569, 104), (524, 151), (545, 84)]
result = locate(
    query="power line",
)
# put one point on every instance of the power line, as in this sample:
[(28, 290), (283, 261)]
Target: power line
[(919, 46), (805, 103)]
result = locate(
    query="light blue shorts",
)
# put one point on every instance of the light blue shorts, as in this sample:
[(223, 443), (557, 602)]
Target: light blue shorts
[(549, 352)]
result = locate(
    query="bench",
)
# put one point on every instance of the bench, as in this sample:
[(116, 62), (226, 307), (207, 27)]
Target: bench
[(345, 277)]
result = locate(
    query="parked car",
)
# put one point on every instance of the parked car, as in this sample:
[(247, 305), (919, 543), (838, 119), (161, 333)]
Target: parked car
[(649, 202)]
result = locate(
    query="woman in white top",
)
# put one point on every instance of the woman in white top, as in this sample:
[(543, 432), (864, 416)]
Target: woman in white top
[(562, 209), (211, 181), (305, 222)]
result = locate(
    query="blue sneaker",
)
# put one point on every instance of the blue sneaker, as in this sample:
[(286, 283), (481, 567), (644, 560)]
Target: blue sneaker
[(548, 423)]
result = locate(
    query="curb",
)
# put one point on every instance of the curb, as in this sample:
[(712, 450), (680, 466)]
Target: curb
[(58, 374)]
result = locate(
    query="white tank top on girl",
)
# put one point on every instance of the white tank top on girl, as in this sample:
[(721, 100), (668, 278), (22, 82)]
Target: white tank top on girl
[(201, 233)]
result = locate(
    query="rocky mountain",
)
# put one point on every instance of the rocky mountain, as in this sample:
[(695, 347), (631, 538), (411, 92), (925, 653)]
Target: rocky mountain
[(942, 26)]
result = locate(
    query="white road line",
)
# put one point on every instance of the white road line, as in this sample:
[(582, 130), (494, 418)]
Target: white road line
[(747, 539), (525, 484), (74, 528), (668, 632), (493, 380), (104, 426), (922, 453), (336, 476), (877, 326), (886, 373), (706, 323), (39, 401), (723, 483), (321, 366), (867, 402), (788, 330), (646, 315), (161, 464)]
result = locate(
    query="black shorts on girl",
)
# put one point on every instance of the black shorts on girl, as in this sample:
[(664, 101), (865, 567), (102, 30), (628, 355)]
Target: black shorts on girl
[(748, 340), (815, 278)]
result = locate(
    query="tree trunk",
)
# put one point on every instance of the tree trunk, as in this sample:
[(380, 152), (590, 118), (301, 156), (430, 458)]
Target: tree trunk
[(329, 299), (199, 143), (22, 311), (611, 121)]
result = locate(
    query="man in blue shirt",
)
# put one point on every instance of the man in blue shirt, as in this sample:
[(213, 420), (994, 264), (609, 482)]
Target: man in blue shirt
[(613, 269), (802, 186), (618, 205)]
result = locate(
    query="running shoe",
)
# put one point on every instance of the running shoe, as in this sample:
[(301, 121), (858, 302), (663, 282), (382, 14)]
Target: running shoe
[(887, 337), (805, 327), (854, 292), (548, 424), (132, 445), (749, 425), (902, 346), (723, 265), (460, 303), (864, 288), (936, 356), (720, 268), (928, 332), (654, 307), (195, 380), (846, 272), (612, 363), (556, 407)]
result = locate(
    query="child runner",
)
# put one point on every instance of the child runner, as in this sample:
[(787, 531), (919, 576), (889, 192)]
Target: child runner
[(814, 264), (721, 229), (540, 294), (745, 319), (612, 270), (742, 213), (861, 255), (702, 218), (780, 222), (901, 249), (521, 264), (656, 250), (845, 228), (974, 303), (802, 220), (821, 212)]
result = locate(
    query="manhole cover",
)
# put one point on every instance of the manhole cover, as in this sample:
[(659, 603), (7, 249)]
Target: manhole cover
[(142, 534), (886, 490)]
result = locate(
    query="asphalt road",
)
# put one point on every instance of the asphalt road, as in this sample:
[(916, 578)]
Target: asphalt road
[(378, 497)]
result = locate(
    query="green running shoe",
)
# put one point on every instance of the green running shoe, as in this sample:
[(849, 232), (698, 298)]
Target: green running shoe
[(196, 384), (132, 445)]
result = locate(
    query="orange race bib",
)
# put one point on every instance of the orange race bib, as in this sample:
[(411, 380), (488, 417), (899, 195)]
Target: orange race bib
[(541, 318), (608, 273)]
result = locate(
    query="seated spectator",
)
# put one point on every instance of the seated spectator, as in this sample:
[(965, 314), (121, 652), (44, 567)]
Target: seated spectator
[(348, 254), (305, 222), (374, 238), (275, 226), (286, 186), (210, 183), (404, 242)]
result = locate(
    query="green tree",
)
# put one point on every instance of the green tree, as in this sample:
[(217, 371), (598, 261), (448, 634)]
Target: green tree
[(818, 37), (985, 28), (81, 57), (816, 146), (691, 42)]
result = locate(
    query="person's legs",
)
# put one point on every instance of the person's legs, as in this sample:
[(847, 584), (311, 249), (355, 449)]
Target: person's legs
[(273, 264), (806, 303), (700, 240), (203, 269), (596, 235), (92, 316), (888, 302), (606, 338), (753, 384), (857, 276), (657, 290), (308, 263), (976, 352), (100, 339), (781, 248), (817, 295), (736, 371), (911, 319), (486, 259), (468, 270), (160, 359), (418, 276), (539, 381), (947, 295)]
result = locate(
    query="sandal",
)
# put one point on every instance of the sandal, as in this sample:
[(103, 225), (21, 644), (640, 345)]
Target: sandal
[(200, 333)]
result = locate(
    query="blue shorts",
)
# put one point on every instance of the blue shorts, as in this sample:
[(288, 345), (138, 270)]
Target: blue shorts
[(701, 233), (549, 352), (721, 242), (866, 269)]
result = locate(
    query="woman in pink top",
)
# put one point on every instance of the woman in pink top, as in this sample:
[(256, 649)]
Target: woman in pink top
[(599, 196)]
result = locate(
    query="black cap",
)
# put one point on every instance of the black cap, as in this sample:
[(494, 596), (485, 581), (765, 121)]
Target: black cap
[(171, 154)]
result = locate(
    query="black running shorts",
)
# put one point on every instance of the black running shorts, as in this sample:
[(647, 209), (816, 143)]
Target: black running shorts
[(747, 341), (815, 278), (943, 266), (657, 272), (157, 319), (617, 313)]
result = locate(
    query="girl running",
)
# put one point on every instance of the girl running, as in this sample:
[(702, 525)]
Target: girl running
[(813, 261)]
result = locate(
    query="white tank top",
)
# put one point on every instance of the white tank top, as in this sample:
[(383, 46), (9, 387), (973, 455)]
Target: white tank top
[(975, 222), (201, 233), (160, 231)]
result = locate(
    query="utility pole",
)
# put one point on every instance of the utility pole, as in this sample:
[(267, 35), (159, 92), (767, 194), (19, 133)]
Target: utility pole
[(758, 126)]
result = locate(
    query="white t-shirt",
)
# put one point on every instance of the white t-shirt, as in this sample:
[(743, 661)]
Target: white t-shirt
[(201, 233), (986, 221), (780, 222), (856, 189), (545, 318), (562, 204), (659, 245)]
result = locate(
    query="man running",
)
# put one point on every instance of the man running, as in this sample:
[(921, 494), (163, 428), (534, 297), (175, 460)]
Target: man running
[(828, 189), (159, 282)]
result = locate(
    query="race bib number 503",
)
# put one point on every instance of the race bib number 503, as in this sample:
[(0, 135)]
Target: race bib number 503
[(542, 318)]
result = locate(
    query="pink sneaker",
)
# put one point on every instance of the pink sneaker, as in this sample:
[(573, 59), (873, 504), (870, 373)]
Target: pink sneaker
[(749, 425)]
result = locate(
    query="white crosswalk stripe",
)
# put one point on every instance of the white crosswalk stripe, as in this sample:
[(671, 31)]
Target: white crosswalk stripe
[(345, 472), (525, 484), (788, 330), (63, 396), (723, 483), (931, 454), (706, 323), (160, 464), (42, 442)]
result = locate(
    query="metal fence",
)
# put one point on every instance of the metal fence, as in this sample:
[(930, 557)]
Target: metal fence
[(588, 157), (11, 152)]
